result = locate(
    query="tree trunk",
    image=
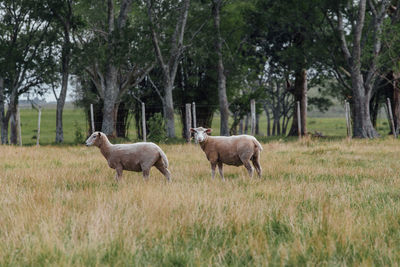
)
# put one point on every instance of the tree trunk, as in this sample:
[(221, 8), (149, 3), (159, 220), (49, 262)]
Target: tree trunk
[(300, 94), (257, 124), (64, 85), (396, 103), (361, 85), (170, 65), (268, 120), (233, 130), (13, 126), (246, 123), (169, 110), (222, 97), (59, 122), (3, 134), (11, 117), (362, 125), (110, 97), (241, 126), (4, 131)]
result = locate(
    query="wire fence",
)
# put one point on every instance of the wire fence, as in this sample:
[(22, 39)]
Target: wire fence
[(77, 123)]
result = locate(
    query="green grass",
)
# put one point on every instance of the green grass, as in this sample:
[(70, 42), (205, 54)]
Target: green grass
[(331, 203), (75, 117), (71, 118)]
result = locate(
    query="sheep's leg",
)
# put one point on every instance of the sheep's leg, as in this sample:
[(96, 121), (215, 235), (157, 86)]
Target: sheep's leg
[(213, 166), (146, 174), (221, 171), (118, 174), (249, 168), (164, 170), (257, 166)]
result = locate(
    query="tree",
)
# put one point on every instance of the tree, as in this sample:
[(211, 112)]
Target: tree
[(115, 57), (361, 55), (62, 14), (222, 97), (23, 58), (168, 54), (289, 42)]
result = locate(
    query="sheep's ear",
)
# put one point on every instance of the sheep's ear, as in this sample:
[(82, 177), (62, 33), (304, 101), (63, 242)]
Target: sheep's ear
[(209, 130), (192, 130), (99, 134)]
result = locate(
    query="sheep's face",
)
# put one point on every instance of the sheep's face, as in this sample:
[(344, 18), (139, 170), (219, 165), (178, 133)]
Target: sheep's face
[(94, 139), (200, 133)]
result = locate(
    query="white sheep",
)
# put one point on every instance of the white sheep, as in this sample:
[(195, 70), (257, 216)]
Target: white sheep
[(138, 157), (231, 150)]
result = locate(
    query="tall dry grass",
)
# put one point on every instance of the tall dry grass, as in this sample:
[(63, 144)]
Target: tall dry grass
[(325, 203)]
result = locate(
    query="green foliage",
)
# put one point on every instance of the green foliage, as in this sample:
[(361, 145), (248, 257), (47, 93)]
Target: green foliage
[(79, 137), (157, 128)]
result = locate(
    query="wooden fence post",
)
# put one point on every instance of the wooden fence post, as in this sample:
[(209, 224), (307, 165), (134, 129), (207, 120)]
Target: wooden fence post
[(347, 114), (144, 122), (194, 118), (194, 114), (19, 127), (38, 130), (298, 119), (188, 117), (92, 118), (389, 107), (253, 116)]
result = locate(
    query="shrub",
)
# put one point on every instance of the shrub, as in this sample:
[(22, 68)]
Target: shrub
[(79, 138), (157, 128)]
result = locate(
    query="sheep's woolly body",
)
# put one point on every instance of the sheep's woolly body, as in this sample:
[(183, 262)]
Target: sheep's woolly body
[(233, 150), (230, 149), (138, 157)]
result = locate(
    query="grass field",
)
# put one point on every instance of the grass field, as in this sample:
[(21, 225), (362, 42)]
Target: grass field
[(75, 120), (317, 203)]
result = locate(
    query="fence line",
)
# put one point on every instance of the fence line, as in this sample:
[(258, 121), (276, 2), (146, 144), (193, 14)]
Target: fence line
[(195, 111)]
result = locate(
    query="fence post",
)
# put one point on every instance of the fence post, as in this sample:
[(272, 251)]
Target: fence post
[(389, 106), (19, 127), (194, 114), (144, 122), (298, 119), (92, 117), (188, 116), (38, 130), (253, 116), (194, 118), (347, 113)]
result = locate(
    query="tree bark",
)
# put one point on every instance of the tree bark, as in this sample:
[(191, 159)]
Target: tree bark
[(241, 126), (268, 120), (13, 126), (361, 81), (223, 99), (396, 102), (4, 128), (300, 94), (169, 67), (65, 58), (362, 125), (257, 124), (110, 97), (246, 123), (169, 110)]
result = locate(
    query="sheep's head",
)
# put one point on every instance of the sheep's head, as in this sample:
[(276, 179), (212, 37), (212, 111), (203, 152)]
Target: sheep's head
[(200, 133), (94, 139)]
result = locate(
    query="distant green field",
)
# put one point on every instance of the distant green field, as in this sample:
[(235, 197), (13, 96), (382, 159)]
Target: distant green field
[(75, 120)]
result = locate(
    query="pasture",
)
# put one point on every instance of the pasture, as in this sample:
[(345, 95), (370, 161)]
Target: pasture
[(75, 121), (317, 203)]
